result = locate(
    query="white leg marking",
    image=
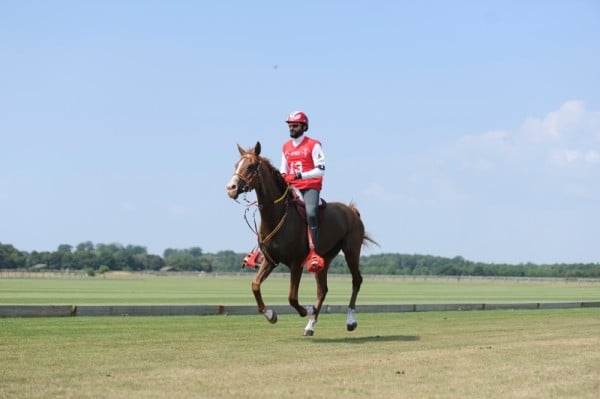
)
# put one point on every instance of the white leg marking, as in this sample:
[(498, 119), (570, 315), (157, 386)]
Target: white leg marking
[(351, 323), (310, 326), (350, 319), (269, 314)]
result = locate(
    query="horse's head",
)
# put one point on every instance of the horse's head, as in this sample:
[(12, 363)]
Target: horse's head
[(245, 178)]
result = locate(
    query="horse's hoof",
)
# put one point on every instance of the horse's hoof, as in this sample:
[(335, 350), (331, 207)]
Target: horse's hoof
[(309, 333), (351, 326), (271, 316)]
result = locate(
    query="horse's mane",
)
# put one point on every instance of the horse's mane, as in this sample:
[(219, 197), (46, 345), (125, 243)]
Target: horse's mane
[(273, 171)]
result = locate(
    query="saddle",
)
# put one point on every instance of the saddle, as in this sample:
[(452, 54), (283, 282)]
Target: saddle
[(299, 203)]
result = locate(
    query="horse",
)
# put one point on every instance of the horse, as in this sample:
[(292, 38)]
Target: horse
[(283, 238)]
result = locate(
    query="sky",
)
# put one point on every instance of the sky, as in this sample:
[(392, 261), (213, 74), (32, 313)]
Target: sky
[(458, 128)]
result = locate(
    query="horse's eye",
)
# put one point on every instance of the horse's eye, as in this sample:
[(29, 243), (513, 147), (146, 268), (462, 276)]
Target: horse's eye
[(252, 167)]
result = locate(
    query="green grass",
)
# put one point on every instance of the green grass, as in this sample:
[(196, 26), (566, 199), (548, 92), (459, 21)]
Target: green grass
[(494, 354), (235, 290), (491, 354)]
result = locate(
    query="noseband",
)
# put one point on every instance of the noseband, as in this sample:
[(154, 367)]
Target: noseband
[(247, 186)]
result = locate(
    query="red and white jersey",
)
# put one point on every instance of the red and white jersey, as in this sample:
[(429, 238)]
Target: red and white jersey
[(304, 155)]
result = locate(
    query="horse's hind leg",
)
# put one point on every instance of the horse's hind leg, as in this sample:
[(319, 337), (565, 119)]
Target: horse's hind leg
[(352, 260), (322, 289)]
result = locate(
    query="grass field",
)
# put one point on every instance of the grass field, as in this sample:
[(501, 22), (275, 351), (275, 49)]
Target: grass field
[(235, 290), (474, 354), (492, 354)]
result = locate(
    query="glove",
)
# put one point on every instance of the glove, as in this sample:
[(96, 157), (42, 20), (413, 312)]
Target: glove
[(291, 177)]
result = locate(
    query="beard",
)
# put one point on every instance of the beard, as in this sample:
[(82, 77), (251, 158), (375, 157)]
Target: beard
[(296, 133)]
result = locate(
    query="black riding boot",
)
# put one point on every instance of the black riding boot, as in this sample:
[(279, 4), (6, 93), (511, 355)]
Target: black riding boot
[(316, 263), (314, 233)]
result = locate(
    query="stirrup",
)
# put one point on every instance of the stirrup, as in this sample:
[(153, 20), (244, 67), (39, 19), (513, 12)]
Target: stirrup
[(253, 258), (315, 262)]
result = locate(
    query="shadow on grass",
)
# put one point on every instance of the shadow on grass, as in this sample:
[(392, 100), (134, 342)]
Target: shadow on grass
[(366, 340)]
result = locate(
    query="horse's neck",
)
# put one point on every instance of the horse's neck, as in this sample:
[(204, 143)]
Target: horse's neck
[(271, 199)]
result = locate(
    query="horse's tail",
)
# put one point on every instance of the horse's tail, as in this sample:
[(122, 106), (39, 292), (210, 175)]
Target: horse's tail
[(366, 237), (368, 240)]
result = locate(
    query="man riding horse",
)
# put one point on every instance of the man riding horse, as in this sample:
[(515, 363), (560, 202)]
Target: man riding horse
[(283, 238), (303, 167)]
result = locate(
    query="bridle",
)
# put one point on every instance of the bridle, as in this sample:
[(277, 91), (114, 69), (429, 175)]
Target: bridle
[(247, 187)]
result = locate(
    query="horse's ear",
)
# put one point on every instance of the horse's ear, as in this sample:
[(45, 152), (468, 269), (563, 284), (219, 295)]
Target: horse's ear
[(241, 150), (257, 148)]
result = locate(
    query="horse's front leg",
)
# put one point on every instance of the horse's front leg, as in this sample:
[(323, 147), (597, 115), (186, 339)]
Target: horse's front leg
[(322, 289), (265, 269)]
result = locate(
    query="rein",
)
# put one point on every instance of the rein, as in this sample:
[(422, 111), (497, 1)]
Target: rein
[(278, 200), (262, 242), (280, 224)]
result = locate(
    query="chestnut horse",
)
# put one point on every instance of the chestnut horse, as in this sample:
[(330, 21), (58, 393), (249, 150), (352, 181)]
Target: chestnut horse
[(282, 236)]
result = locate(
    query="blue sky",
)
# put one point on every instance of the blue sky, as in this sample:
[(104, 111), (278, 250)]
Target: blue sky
[(463, 128)]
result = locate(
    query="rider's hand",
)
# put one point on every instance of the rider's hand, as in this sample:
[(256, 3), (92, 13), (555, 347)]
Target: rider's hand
[(290, 177)]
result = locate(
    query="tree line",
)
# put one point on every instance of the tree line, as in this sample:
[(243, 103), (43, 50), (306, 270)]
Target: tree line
[(100, 258)]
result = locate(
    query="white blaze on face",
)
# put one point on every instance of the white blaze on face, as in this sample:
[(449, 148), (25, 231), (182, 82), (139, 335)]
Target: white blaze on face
[(238, 168), (232, 186)]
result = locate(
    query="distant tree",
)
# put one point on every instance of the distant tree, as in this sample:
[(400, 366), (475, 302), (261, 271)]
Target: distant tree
[(135, 250), (150, 262), (115, 256), (85, 246), (223, 261), (169, 252), (65, 248), (84, 259), (124, 261), (195, 251), (11, 258)]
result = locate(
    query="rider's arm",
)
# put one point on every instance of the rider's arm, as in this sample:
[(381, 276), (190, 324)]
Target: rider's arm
[(283, 166), (319, 161)]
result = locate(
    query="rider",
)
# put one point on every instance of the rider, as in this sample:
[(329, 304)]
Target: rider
[(302, 166)]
